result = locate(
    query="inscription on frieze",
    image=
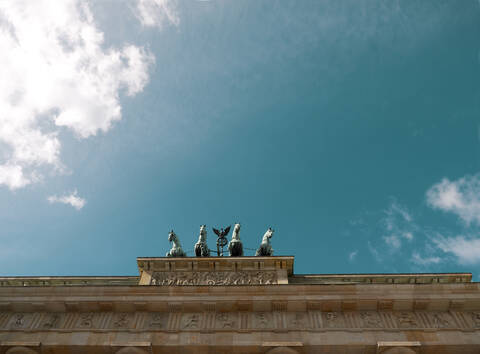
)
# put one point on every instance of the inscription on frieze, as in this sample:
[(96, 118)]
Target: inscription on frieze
[(214, 278)]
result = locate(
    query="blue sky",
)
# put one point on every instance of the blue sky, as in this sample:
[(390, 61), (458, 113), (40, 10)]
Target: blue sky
[(350, 127)]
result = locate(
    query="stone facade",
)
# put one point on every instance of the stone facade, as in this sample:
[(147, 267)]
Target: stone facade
[(239, 305)]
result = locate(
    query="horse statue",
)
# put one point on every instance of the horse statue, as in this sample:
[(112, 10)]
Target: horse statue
[(235, 246), (201, 247), (265, 248), (176, 250)]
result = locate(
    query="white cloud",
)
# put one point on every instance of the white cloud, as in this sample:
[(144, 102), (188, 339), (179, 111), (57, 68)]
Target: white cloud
[(55, 72), (73, 199), (425, 261), (467, 250), (352, 255), (13, 176), (156, 13), (461, 197)]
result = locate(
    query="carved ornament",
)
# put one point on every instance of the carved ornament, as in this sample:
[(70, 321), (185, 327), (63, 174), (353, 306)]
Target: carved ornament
[(214, 278)]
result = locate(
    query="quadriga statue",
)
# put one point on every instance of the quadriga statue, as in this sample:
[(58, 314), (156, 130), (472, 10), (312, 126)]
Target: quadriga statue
[(201, 247), (265, 248), (176, 250), (235, 246)]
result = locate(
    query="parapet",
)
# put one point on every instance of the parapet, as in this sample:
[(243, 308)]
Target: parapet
[(215, 270)]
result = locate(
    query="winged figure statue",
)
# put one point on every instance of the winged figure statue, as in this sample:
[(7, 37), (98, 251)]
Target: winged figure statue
[(222, 240)]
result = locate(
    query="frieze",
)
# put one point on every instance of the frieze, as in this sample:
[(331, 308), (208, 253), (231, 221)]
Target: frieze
[(238, 321), (214, 278)]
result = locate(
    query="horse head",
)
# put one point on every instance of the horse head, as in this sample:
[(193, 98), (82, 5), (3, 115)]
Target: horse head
[(172, 236), (268, 235), (236, 232), (203, 233)]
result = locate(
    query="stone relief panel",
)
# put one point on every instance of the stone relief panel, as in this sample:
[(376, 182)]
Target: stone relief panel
[(441, 320), (371, 319), (297, 320), (239, 321), (20, 321), (191, 321), (226, 320), (476, 319), (156, 321), (87, 320), (262, 320), (333, 319), (51, 320), (213, 278), (122, 320), (407, 320)]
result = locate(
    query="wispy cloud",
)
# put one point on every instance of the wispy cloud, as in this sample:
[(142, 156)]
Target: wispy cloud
[(461, 197), (424, 261), (72, 199), (157, 13), (57, 73), (352, 255), (398, 224), (392, 241), (374, 251)]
